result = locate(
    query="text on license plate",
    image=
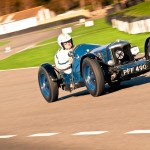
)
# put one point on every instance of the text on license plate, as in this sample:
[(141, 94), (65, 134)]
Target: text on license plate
[(134, 69)]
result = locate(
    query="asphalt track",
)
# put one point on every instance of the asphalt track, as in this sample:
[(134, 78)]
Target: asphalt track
[(25, 41), (29, 40), (117, 120), (26, 115)]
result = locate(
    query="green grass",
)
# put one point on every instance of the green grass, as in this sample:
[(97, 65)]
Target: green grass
[(100, 33), (2, 43), (29, 58), (140, 10)]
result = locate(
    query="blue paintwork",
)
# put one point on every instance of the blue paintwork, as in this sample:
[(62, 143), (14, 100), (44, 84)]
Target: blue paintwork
[(89, 77), (114, 68), (79, 52), (44, 85), (43, 81), (131, 65), (103, 54), (105, 51), (50, 70)]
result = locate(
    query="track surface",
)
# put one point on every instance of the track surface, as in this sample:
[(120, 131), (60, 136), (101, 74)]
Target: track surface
[(28, 40), (25, 41), (24, 113)]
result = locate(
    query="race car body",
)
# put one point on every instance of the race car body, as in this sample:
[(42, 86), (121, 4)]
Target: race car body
[(94, 66)]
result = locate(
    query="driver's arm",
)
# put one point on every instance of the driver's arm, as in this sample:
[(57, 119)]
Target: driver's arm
[(62, 63)]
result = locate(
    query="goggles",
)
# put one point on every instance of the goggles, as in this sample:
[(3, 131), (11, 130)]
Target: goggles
[(65, 43)]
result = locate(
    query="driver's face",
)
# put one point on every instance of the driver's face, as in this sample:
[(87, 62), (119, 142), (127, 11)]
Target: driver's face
[(67, 45)]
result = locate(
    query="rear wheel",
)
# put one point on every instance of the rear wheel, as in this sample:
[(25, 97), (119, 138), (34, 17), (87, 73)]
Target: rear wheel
[(93, 76), (49, 89)]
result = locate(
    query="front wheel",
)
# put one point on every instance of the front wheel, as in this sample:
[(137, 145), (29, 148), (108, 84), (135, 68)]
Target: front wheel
[(93, 76), (49, 89), (147, 48)]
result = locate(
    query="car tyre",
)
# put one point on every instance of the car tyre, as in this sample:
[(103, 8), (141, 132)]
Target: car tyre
[(147, 48), (93, 76), (49, 89)]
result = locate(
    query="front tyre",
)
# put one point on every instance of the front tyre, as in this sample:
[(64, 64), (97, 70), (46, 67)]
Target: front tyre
[(49, 89), (147, 48), (93, 76)]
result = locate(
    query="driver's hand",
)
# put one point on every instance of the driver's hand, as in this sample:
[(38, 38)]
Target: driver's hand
[(70, 60)]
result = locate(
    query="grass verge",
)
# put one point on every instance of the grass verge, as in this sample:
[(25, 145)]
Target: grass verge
[(2, 43), (140, 10), (100, 33)]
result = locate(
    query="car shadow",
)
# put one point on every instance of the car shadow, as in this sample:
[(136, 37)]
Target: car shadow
[(84, 92), (126, 84)]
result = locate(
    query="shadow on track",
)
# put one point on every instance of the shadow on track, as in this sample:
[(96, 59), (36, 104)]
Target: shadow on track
[(126, 84), (130, 83), (84, 92)]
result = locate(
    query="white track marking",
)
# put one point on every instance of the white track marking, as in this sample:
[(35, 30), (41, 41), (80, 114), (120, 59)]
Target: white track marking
[(6, 136), (42, 134), (138, 132), (28, 47), (90, 133), (35, 46)]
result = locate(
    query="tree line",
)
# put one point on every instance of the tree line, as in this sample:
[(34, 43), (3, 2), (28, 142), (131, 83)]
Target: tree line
[(59, 6)]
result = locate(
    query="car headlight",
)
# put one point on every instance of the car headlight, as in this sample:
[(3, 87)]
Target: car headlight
[(119, 54), (135, 50)]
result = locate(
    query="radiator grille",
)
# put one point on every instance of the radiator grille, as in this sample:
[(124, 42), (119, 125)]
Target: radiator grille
[(125, 54)]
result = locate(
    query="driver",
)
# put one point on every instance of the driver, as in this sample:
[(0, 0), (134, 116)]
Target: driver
[(62, 59)]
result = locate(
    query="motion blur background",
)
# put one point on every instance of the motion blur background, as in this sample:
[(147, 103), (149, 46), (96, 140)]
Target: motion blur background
[(59, 6), (87, 21), (17, 15)]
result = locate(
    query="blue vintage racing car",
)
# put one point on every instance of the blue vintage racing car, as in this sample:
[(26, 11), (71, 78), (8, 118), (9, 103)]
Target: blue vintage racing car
[(94, 66)]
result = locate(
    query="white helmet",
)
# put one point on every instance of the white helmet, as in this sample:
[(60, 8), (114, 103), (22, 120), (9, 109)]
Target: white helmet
[(64, 37)]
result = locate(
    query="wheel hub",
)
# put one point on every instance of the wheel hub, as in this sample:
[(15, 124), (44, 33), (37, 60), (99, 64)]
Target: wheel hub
[(43, 86)]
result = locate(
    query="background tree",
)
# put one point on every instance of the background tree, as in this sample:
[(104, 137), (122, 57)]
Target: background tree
[(59, 6), (7, 6), (82, 3), (97, 4), (26, 4), (2, 7)]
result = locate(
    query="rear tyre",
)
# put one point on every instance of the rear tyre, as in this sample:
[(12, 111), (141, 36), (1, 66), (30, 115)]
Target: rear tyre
[(93, 76), (49, 89)]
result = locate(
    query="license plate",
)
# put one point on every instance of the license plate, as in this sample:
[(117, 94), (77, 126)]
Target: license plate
[(135, 69)]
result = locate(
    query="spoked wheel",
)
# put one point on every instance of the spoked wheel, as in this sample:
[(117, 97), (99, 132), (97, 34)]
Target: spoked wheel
[(147, 48), (93, 77), (49, 89)]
